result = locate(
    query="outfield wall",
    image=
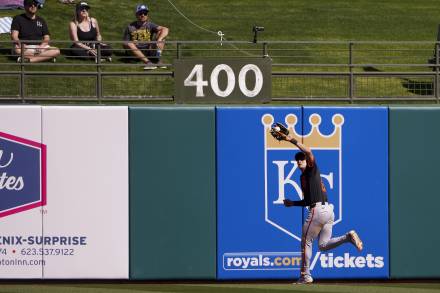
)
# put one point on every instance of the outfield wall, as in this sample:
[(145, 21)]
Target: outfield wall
[(68, 217), (414, 192), (153, 193), (257, 173), (172, 193)]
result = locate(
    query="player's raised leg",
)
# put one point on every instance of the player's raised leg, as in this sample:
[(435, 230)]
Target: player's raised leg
[(356, 240)]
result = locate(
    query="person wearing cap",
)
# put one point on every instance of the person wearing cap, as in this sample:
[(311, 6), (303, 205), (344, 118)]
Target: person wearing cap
[(141, 31), (84, 31), (30, 32), (320, 219)]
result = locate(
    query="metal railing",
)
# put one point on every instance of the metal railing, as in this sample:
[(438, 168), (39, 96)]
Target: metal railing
[(347, 72)]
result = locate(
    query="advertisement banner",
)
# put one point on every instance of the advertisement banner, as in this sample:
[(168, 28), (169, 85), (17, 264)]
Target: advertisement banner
[(85, 221), (22, 191), (260, 238)]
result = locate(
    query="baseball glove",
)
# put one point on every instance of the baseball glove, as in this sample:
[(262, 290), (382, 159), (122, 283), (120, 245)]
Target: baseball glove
[(279, 131)]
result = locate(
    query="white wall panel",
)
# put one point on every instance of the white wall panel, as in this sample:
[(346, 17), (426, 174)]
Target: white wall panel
[(19, 258), (87, 192)]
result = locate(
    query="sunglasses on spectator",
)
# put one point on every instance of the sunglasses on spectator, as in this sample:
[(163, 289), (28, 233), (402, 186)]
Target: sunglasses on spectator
[(143, 12), (32, 4)]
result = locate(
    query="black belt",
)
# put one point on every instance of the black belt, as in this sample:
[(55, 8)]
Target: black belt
[(314, 204)]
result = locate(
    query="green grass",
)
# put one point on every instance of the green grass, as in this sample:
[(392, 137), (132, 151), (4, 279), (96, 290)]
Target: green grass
[(332, 20), (284, 20), (226, 288)]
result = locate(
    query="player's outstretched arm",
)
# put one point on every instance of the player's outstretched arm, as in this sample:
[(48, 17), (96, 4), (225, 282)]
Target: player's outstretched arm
[(280, 132), (305, 149)]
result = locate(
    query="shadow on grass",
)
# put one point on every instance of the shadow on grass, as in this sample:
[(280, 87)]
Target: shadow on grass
[(188, 288), (420, 88), (417, 87), (325, 286), (7, 53), (370, 69)]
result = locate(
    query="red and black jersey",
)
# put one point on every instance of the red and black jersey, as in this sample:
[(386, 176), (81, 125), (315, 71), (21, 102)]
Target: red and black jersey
[(312, 186)]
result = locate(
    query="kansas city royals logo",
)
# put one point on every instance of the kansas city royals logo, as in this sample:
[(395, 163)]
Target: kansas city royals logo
[(22, 174), (282, 173)]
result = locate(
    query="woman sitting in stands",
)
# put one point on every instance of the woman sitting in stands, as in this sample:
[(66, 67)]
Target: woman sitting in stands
[(83, 30)]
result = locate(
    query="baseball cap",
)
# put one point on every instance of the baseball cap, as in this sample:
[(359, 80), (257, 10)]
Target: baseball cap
[(300, 156), (29, 2), (141, 7), (82, 4)]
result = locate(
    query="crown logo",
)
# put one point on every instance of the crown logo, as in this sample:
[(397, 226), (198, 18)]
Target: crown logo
[(315, 139)]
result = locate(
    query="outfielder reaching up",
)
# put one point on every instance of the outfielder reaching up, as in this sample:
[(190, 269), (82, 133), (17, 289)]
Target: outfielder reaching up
[(320, 219)]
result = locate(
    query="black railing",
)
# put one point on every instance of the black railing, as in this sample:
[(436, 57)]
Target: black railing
[(348, 72)]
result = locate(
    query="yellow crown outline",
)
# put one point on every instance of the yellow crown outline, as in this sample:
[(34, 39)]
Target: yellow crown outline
[(315, 139)]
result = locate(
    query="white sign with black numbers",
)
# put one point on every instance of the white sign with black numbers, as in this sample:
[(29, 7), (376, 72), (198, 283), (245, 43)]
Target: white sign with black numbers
[(230, 80)]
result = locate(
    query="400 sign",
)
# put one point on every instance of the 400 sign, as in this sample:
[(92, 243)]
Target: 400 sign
[(223, 80)]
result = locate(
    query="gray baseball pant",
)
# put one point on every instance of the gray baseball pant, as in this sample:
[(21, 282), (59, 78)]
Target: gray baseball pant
[(319, 222)]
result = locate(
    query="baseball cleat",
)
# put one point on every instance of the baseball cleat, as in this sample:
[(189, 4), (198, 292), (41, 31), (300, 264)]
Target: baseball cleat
[(306, 279), (354, 238)]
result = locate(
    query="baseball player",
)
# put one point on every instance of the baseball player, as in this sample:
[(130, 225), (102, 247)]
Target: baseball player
[(320, 219)]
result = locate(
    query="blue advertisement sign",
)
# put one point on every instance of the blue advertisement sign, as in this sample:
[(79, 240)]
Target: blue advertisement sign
[(22, 174), (260, 238)]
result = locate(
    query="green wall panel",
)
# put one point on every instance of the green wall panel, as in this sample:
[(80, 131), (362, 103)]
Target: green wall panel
[(172, 193), (414, 192)]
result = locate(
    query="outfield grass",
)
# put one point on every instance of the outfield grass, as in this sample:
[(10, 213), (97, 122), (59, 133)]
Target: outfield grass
[(284, 20), (226, 288)]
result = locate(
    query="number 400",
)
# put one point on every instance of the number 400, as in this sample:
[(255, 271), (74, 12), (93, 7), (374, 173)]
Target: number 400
[(199, 83)]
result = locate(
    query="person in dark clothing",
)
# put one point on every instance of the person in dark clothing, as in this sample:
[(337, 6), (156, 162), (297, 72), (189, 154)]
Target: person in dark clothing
[(84, 30), (31, 33), (141, 31), (320, 219)]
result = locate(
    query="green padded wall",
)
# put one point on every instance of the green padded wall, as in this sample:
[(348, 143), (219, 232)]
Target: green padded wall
[(414, 192), (172, 193)]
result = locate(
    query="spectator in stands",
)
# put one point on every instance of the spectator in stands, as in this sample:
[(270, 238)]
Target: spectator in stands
[(143, 30), (34, 32), (83, 29)]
